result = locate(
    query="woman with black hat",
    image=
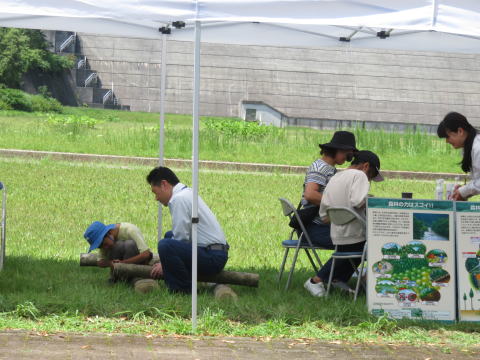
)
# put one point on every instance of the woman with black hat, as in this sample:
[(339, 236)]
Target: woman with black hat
[(459, 133), (340, 149)]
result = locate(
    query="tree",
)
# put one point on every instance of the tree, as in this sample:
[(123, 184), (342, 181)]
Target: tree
[(441, 227), (23, 50), (470, 294), (419, 228)]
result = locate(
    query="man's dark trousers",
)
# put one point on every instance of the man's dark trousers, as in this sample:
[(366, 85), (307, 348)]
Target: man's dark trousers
[(176, 259)]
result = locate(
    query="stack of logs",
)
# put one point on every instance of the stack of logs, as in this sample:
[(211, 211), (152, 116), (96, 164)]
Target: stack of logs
[(139, 276)]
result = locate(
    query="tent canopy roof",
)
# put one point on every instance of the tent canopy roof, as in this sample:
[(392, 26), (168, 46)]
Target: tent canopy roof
[(434, 25)]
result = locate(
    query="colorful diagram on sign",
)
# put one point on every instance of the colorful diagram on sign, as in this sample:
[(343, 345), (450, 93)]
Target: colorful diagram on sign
[(410, 274), (472, 265)]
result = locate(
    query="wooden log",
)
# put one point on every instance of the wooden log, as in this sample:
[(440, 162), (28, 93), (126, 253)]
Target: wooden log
[(144, 286), (224, 292), (128, 271), (91, 259)]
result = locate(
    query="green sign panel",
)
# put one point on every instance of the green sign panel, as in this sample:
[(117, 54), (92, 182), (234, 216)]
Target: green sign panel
[(465, 206), (410, 204)]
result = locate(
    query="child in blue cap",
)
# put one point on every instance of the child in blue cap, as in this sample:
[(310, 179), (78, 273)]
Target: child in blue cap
[(118, 243)]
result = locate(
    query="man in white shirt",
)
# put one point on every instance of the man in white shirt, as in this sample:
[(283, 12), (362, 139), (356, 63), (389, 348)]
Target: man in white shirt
[(175, 250), (348, 188)]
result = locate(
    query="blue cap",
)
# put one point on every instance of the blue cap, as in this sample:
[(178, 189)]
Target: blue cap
[(95, 234)]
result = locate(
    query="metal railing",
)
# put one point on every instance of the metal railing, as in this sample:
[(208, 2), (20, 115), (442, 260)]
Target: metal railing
[(67, 42), (82, 63), (107, 96), (90, 78)]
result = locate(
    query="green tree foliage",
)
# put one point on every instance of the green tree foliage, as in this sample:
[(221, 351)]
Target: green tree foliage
[(23, 50), (441, 227), (419, 228)]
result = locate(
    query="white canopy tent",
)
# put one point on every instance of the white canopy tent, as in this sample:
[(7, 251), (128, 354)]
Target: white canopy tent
[(425, 25), (434, 25)]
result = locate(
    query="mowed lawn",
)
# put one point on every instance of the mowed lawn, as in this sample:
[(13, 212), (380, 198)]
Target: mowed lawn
[(43, 288)]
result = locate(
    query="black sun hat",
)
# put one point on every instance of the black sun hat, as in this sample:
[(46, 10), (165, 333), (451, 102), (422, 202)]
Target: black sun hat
[(343, 140)]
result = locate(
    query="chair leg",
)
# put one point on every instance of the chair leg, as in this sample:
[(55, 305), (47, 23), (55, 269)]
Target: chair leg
[(330, 277), (282, 267), (359, 280), (293, 267), (311, 260), (320, 264)]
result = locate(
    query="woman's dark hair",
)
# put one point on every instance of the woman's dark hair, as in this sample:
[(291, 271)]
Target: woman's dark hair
[(452, 122), (162, 173), (328, 151)]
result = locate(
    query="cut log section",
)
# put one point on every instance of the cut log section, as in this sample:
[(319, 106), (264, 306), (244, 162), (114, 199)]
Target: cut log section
[(144, 286), (91, 259), (88, 259), (128, 271), (224, 292)]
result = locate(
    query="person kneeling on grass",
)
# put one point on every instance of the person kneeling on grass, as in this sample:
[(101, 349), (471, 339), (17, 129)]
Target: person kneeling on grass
[(118, 243), (348, 188), (175, 250)]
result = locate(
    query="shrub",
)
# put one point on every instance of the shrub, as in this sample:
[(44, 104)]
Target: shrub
[(240, 128), (4, 105), (43, 90), (45, 104), (72, 124), (14, 99)]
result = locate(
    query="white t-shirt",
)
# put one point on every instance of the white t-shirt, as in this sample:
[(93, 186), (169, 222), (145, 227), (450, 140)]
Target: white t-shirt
[(473, 187), (180, 205), (348, 188)]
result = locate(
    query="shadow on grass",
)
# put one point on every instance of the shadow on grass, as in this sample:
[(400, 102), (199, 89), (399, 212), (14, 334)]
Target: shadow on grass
[(58, 286)]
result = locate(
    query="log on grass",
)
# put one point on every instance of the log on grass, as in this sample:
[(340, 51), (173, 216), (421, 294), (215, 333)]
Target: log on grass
[(144, 286), (128, 271), (224, 292), (90, 259)]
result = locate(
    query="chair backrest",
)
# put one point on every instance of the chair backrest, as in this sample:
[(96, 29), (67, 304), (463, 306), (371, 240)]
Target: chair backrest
[(343, 215), (287, 207), (291, 211)]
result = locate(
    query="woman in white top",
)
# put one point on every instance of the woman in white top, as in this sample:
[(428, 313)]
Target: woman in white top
[(459, 133)]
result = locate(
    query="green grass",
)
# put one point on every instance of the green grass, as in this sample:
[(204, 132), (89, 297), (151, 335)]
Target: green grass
[(136, 134), (42, 288)]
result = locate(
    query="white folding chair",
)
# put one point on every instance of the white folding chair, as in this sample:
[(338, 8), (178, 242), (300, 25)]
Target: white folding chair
[(343, 216), (297, 244)]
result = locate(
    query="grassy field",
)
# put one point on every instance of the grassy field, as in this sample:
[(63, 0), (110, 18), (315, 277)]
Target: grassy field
[(133, 133), (42, 288)]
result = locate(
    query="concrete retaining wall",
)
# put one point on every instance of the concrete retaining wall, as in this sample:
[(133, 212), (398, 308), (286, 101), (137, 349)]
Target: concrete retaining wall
[(328, 83)]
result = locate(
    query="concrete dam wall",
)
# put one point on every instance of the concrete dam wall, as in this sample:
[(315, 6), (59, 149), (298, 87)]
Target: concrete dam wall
[(325, 83)]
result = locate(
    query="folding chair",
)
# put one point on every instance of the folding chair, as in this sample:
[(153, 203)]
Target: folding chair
[(290, 211), (343, 216)]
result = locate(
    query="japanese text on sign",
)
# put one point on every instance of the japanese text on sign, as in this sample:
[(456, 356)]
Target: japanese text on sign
[(390, 224), (413, 205)]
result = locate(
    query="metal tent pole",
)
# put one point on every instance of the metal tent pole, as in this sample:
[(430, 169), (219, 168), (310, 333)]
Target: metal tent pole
[(161, 142), (3, 237), (196, 103)]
